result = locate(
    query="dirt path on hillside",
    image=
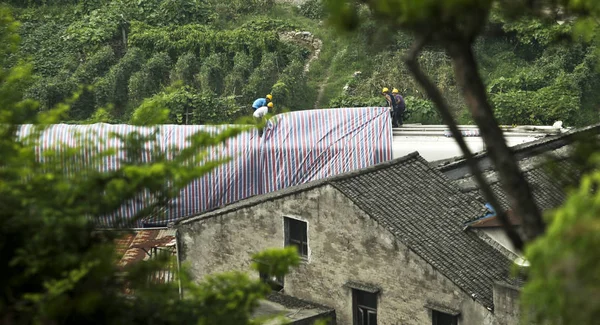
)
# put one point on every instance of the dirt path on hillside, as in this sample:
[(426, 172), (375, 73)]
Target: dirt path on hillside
[(322, 88), (308, 40), (314, 44)]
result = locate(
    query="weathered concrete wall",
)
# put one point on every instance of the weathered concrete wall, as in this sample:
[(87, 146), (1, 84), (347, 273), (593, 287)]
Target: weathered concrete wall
[(507, 304), (344, 245)]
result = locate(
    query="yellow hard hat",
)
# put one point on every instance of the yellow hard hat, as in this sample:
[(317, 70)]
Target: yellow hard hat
[(270, 105), (270, 97), (385, 90), (394, 91)]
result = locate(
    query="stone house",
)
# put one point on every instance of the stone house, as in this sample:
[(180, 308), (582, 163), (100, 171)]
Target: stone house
[(143, 244), (381, 245), (548, 187)]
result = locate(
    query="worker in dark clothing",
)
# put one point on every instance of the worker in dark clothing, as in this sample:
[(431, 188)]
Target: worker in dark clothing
[(392, 105), (400, 105)]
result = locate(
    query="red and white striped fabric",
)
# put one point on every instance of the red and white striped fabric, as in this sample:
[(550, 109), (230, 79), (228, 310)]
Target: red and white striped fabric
[(296, 148)]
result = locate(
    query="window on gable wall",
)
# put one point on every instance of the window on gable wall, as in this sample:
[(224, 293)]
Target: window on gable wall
[(364, 305), (440, 318), (296, 234)]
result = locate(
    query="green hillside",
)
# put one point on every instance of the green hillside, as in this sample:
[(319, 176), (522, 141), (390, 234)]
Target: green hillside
[(207, 60)]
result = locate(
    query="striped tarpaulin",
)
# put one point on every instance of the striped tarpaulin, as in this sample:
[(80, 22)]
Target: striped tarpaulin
[(296, 148)]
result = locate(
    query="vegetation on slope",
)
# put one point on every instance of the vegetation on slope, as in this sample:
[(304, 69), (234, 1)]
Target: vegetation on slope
[(58, 267), (208, 59)]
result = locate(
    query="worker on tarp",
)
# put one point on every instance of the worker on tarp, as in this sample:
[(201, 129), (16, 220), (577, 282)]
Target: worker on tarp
[(400, 105), (392, 105), (259, 115), (261, 102)]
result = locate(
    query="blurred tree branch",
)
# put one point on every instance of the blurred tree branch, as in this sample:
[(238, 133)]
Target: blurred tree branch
[(433, 92)]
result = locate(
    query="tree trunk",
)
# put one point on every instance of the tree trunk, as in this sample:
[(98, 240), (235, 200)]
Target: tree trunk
[(436, 96), (513, 182), (124, 34)]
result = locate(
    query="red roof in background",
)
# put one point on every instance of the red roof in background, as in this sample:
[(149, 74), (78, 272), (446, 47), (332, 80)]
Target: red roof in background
[(143, 244), (493, 221), (136, 246)]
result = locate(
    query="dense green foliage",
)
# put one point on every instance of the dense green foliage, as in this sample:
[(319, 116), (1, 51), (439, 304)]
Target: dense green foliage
[(563, 281), (541, 76), (224, 54), (193, 61), (534, 71), (57, 267), (132, 50)]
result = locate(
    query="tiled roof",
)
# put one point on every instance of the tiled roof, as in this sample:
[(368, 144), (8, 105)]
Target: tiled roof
[(548, 191), (139, 245), (493, 221), (292, 310), (457, 167), (293, 302), (422, 208)]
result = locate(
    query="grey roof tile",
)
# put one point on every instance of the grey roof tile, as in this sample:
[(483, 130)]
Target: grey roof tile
[(548, 191), (526, 149), (426, 213)]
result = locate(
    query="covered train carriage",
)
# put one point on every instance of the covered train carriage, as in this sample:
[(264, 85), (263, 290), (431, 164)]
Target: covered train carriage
[(296, 148)]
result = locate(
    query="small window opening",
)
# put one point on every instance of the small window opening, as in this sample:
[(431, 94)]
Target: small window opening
[(296, 234), (364, 307), (440, 318)]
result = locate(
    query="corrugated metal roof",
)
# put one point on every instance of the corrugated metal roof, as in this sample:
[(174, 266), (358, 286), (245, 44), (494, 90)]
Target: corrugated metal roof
[(297, 147)]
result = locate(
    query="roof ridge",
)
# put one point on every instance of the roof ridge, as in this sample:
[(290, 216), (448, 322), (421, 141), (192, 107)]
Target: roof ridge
[(373, 168), (450, 163)]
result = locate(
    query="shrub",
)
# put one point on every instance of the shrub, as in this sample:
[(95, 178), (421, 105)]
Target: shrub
[(313, 9), (148, 81), (185, 69), (95, 66), (290, 91), (420, 110), (237, 78), (262, 78), (113, 87), (186, 106)]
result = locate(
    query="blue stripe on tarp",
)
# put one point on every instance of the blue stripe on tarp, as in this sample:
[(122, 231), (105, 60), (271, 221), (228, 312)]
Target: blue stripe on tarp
[(296, 148)]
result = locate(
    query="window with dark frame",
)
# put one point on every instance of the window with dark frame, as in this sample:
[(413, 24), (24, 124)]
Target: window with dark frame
[(296, 234), (440, 318), (364, 306)]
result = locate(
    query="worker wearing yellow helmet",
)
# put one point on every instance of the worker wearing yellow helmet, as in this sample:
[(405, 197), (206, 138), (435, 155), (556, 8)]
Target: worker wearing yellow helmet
[(260, 102), (400, 107), (391, 104), (259, 115)]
